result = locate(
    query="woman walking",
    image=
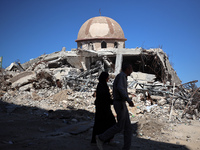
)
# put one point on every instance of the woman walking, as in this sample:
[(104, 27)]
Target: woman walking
[(104, 118)]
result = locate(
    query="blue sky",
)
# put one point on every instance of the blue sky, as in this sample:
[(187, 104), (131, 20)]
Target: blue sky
[(30, 28)]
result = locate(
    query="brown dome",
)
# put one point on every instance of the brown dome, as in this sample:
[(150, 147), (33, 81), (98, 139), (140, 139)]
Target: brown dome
[(100, 28)]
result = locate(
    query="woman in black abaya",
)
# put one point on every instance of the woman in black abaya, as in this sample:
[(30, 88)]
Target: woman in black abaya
[(104, 118)]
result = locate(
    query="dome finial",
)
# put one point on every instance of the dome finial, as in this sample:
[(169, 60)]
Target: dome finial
[(100, 11)]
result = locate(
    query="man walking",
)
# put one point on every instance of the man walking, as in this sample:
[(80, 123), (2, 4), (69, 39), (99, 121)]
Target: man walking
[(120, 95)]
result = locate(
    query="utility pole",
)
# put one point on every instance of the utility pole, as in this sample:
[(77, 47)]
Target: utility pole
[(1, 59)]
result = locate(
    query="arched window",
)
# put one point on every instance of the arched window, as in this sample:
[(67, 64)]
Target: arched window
[(90, 46), (115, 45), (79, 45), (103, 44)]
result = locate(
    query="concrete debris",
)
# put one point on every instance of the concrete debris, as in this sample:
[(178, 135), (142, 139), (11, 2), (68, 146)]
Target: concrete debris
[(15, 67), (22, 79), (67, 80)]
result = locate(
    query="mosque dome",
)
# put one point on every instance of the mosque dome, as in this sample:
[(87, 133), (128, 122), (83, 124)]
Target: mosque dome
[(100, 28)]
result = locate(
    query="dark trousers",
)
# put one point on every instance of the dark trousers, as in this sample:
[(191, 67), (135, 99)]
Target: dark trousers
[(123, 123)]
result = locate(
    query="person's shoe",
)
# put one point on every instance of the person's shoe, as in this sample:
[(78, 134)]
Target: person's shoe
[(99, 143), (113, 143)]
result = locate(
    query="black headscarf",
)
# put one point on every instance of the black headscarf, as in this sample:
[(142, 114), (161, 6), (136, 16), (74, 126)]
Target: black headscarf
[(103, 94), (103, 76)]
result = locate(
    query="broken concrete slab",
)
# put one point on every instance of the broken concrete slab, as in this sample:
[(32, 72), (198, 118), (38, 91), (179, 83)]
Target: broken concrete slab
[(139, 76), (22, 79), (21, 75), (15, 67), (26, 87), (162, 102)]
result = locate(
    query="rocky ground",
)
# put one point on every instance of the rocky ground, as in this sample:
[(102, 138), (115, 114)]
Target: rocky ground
[(62, 119)]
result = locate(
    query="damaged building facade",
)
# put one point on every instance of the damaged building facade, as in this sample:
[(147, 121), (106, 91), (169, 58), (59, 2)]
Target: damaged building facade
[(102, 39)]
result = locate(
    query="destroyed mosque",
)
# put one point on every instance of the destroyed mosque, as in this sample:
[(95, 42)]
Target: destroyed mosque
[(101, 47), (101, 43)]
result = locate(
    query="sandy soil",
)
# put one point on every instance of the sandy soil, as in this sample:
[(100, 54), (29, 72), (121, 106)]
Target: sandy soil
[(33, 128)]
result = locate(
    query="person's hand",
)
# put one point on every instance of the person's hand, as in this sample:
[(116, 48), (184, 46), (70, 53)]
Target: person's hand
[(131, 104)]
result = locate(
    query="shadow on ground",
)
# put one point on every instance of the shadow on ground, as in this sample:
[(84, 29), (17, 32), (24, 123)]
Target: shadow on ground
[(32, 128)]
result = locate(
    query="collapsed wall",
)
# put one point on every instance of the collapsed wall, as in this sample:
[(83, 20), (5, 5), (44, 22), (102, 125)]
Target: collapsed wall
[(152, 61)]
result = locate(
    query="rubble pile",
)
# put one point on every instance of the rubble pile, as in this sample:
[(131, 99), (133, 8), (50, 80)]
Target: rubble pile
[(54, 82)]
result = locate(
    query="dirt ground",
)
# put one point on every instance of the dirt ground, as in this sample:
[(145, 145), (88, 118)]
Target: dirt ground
[(33, 128)]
